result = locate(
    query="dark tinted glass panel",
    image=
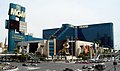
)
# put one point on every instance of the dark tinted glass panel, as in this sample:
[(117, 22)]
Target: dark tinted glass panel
[(14, 24)]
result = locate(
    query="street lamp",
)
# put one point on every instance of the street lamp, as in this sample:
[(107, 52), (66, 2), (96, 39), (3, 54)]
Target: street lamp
[(114, 63)]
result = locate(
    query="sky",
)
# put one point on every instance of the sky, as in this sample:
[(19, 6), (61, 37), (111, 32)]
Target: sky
[(47, 14)]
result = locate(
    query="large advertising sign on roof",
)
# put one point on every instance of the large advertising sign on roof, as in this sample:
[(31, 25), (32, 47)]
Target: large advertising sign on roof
[(17, 11)]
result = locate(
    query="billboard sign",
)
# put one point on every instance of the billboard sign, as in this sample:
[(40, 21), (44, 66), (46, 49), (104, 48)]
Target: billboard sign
[(23, 27), (18, 37), (17, 11)]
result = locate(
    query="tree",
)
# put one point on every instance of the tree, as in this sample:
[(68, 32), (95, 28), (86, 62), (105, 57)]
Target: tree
[(16, 50), (5, 51), (24, 57)]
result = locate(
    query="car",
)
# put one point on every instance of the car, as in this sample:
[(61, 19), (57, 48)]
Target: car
[(87, 62), (90, 68), (67, 61), (33, 64), (67, 69), (78, 62), (78, 70), (84, 67), (24, 64), (93, 65), (101, 66), (6, 63), (105, 60), (9, 68)]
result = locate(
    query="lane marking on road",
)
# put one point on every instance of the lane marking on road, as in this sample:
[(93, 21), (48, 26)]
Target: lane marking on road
[(32, 68), (50, 70)]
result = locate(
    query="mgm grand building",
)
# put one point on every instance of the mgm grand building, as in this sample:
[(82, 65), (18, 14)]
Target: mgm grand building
[(76, 40)]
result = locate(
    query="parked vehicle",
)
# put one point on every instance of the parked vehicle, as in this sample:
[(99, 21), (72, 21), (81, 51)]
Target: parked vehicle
[(90, 68), (93, 65), (101, 66), (24, 64), (78, 70), (33, 64), (84, 67), (8, 67), (67, 69), (79, 62)]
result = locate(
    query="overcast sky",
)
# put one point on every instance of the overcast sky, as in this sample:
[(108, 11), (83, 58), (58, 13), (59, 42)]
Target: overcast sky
[(47, 14)]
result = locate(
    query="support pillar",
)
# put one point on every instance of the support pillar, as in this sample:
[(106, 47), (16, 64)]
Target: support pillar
[(54, 40), (76, 54)]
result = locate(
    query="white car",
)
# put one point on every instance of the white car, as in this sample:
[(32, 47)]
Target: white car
[(78, 70), (33, 64), (6, 63), (90, 68)]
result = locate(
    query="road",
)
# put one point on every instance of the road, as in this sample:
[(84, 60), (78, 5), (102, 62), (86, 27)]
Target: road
[(51, 66)]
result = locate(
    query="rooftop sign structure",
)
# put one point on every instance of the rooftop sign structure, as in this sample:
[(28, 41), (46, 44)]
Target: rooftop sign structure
[(17, 11)]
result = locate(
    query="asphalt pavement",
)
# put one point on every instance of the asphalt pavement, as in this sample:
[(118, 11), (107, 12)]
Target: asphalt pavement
[(59, 66)]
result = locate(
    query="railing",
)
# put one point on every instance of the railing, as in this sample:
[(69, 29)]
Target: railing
[(116, 54), (33, 56), (58, 32)]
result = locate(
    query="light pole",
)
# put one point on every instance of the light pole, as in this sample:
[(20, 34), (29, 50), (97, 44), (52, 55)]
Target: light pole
[(72, 46), (114, 63)]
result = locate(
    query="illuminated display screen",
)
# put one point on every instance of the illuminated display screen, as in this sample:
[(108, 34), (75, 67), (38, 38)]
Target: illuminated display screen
[(14, 24), (19, 26)]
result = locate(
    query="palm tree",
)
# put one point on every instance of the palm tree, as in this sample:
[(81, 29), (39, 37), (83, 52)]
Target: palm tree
[(24, 57), (5, 51), (16, 51)]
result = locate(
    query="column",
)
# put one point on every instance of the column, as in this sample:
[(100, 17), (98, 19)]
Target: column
[(54, 40), (76, 53)]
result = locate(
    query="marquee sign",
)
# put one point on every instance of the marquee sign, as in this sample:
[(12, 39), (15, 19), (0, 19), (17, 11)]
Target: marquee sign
[(23, 26), (16, 25)]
